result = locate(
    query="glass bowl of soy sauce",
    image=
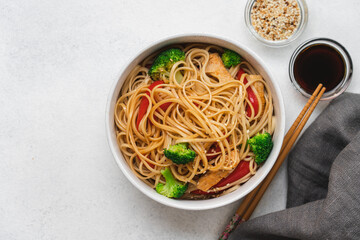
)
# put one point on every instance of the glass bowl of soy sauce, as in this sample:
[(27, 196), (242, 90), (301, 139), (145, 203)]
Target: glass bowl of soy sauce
[(321, 60)]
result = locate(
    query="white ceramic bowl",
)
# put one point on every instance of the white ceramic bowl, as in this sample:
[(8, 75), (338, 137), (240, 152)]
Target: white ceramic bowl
[(256, 62)]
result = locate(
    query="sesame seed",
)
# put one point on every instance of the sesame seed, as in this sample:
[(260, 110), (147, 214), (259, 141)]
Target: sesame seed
[(275, 20)]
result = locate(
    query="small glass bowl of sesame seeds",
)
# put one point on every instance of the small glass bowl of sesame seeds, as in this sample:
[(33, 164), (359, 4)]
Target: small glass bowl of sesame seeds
[(276, 23)]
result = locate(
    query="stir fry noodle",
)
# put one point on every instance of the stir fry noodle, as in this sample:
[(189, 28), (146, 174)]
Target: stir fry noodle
[(211, 108)]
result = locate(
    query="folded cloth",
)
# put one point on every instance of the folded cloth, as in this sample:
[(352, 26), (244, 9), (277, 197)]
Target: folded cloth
[(324, 181)]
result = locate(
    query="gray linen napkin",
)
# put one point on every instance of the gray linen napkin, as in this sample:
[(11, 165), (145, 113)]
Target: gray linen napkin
[(324, 181)]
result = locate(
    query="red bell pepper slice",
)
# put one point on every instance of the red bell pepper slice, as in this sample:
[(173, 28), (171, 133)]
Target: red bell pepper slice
[(215, 150), (145, 103), (240, 171), (251, 95)]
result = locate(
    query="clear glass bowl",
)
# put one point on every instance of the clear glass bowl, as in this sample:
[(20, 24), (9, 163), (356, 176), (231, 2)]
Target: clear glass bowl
[(279, 43), (342, 86)]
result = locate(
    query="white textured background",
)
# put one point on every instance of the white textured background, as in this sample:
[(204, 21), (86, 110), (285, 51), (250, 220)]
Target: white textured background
[(58, 59)]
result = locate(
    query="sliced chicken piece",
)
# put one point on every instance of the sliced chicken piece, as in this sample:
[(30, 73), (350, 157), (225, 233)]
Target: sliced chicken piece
[(259, 87), (216, 68), (211, 178)]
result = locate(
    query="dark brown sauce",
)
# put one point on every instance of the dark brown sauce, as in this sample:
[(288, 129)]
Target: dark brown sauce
[(319, 64)]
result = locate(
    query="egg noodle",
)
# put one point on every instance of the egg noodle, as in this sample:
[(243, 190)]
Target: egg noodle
[(204, 110)]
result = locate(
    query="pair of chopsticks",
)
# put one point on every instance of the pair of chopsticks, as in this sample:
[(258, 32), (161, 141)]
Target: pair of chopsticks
[(250, 202)]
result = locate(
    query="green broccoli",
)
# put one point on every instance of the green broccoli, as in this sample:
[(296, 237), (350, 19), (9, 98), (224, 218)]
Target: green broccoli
[(261, 145), (163, 63), (172, 188), (230, 58), (180, 153)]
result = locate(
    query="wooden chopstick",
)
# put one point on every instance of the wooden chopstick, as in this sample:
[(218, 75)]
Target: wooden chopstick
[(298, 119), (280, 160), (250, 196), (250, 202)]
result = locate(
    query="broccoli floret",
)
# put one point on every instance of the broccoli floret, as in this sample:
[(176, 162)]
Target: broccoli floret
[(261, 145), (164, 61), (172, 188), (230, 58), (180, 153)]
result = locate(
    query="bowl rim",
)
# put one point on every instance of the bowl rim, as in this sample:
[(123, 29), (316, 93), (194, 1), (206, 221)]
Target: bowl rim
[(141, 186)]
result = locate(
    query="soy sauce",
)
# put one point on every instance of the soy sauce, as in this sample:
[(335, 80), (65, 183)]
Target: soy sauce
[(319, 64)]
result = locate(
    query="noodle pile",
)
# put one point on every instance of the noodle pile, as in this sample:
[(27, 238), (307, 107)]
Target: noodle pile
[(203, 111)]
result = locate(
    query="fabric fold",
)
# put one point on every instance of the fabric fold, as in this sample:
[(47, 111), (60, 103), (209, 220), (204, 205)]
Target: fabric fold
[(324, 181)]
